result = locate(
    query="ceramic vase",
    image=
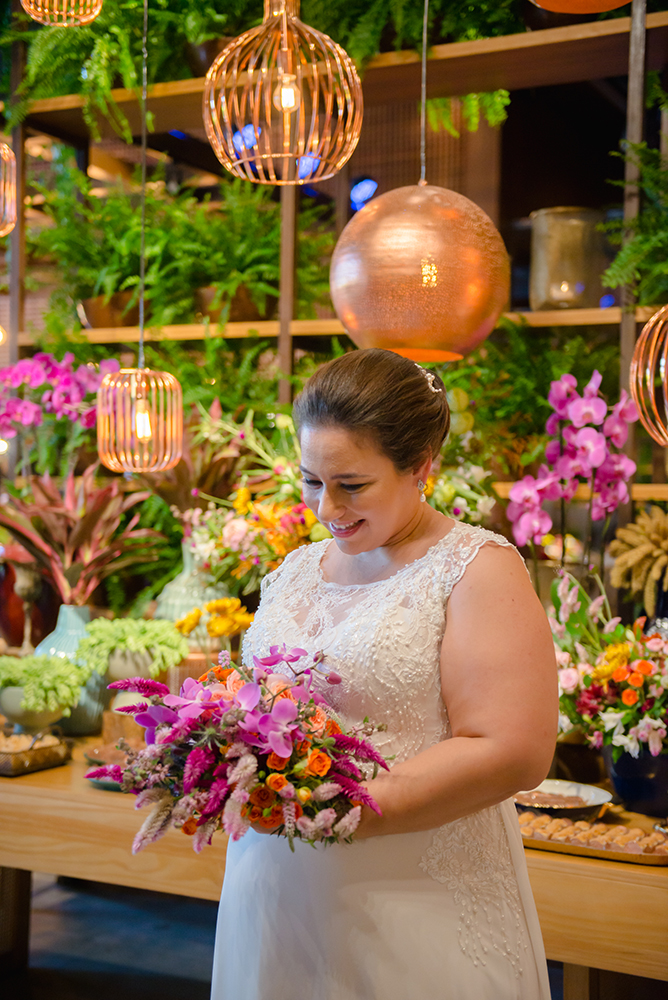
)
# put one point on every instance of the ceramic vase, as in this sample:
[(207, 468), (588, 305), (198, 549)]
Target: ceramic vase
[(23, 719), (186, 591), (86, 717), (640, 782)]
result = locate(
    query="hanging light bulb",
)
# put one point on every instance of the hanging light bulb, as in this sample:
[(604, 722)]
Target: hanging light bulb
[(283, 102), (139, 411), (67, 13), (3, 334), (7, 189)]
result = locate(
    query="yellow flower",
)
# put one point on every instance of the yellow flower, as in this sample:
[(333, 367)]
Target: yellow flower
[(242, 501), (429, 486), (303, 794), (186, 625), (615, 656), (223, 606)]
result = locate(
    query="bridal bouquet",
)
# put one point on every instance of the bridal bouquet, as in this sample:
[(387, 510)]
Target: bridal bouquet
[(242, 746)]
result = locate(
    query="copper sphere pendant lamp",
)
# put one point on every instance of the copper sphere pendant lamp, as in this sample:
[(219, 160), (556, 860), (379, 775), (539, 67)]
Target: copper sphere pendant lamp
[(579, 6), (283, 102), (420, 270), (139, 411), (649, 376), (7, 189), (66, 13)]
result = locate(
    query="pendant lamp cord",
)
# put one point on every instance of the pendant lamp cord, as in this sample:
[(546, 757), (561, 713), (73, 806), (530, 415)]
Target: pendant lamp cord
[(423, 102), (142, 245)]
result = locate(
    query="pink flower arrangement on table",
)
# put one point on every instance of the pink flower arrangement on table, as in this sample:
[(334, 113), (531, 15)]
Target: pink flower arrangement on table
[(586, 438), (246, 746), (41, 385)]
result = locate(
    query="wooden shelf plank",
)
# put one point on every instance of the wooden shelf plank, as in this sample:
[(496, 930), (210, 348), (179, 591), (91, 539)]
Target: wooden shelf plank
[(330, 327), (639, 491), (589, 51)]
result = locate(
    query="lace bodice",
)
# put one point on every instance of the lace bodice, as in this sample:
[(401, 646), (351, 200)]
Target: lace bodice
[(383, 638)]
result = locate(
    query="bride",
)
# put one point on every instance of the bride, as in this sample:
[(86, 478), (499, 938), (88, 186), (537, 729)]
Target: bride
[(436, 631)]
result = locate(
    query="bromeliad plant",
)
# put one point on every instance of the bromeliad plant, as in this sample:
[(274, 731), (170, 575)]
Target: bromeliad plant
[(613, 680), (248, 745), (74, 536)]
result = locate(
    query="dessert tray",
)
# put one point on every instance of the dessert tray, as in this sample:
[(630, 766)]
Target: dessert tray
[(21, 753)]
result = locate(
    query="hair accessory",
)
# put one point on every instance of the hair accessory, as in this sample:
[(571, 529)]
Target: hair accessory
[(430, 377), (422, 486)]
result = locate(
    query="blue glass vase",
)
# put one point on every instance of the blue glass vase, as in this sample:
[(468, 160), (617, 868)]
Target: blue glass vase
[(86, 717), (640, 782)]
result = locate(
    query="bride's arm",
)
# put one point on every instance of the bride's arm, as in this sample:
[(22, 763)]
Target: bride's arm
[(499, 682)]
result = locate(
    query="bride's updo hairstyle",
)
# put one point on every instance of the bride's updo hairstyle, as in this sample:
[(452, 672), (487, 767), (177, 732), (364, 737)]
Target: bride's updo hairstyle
[(381, 395)]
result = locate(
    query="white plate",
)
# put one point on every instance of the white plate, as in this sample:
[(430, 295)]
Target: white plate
[(593, 796)]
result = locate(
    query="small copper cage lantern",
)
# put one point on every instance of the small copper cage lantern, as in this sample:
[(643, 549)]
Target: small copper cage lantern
[(649, 376), (283, 102), (7, 189), (139, 421), (66, 13)]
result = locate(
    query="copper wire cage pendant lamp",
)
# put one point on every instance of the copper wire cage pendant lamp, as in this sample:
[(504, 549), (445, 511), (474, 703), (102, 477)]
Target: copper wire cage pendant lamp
[(139, 411), (649, 376), (7, 189), (283, 102), (66, 13)]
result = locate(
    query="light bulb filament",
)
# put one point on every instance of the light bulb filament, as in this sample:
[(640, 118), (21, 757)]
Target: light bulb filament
[(287, 96), (143, 428)]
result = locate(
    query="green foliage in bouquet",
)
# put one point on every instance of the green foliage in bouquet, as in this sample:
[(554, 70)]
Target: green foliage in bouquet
[(159, 639), (48, 682)]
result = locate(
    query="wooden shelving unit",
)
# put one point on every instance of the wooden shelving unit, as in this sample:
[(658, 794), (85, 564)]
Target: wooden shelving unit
[(332, 327), (639, 491), (580, 52)]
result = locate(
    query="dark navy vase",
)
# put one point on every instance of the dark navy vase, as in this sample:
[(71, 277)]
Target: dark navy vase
[(640, 782)]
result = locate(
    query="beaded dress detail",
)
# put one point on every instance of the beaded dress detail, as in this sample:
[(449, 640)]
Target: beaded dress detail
[(444, 913)]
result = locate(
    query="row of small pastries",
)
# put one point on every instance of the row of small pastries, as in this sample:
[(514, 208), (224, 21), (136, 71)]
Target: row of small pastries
[(598, 836)]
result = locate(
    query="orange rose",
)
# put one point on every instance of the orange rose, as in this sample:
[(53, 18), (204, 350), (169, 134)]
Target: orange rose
[(235, 682), (189, 827), (303, 747), (629, 697), (276, 782), (274, 819), (318, 764), (318, 722), (262, 797), (298, 810), (255, 814), (333, 728), (636, 680), (644, 667), (620, 674), (276, 763), (218, 672)]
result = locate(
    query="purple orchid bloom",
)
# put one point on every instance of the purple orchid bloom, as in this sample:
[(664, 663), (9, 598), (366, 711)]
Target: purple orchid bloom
[(587, 410), (592, 447), (561, 393), (534, 524), (594, 384), (278, 725), (194, 699), (153, 717)]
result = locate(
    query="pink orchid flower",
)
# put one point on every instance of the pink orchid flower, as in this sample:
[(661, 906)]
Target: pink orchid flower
[(592, 447), (587, 410)]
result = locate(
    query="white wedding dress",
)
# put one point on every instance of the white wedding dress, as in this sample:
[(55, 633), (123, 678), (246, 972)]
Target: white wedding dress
[(444, 914)]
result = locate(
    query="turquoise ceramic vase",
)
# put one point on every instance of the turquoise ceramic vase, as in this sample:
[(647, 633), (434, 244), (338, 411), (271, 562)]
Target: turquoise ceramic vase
[(86, 717)]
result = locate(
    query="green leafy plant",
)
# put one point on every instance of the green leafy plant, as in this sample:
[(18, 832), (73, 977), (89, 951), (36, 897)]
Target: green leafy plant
[(642, 262), (48, 682), (74, 536), (159, 640)]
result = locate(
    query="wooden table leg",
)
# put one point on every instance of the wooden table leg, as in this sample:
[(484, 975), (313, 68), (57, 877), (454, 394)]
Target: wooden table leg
[(580, 982), (15, 886)]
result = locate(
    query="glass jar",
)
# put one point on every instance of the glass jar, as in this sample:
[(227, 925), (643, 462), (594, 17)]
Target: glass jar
[(568, 256)]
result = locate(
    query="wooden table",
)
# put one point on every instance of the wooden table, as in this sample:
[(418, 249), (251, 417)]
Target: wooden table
[(593, 913)]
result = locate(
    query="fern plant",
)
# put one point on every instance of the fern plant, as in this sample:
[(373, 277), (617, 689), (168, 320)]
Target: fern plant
[(642, 262)]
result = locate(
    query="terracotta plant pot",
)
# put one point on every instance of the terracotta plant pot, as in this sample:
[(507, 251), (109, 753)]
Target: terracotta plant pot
[(242, 307), (101, 313), (201, 57)]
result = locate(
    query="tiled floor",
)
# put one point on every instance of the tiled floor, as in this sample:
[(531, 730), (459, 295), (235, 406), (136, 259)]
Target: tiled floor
[(99, 942)]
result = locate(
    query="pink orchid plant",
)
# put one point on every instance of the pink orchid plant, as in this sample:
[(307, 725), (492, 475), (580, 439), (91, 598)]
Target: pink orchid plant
[(587, 436), (43, 399)]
